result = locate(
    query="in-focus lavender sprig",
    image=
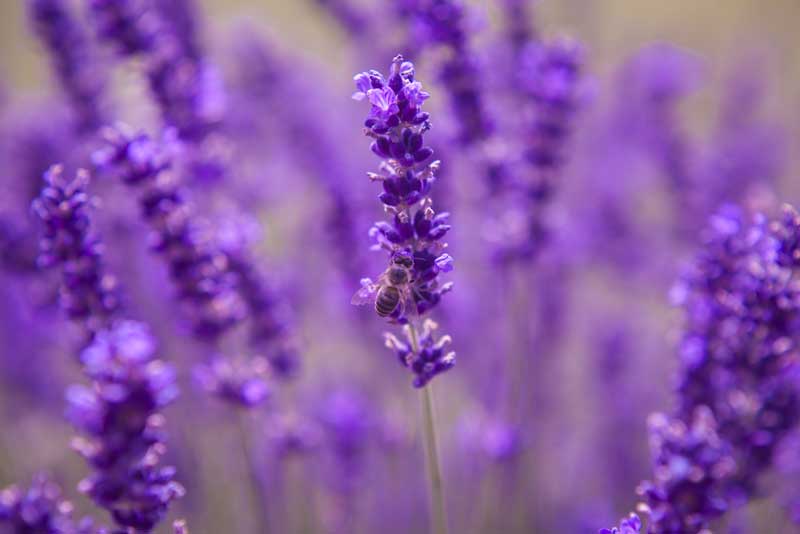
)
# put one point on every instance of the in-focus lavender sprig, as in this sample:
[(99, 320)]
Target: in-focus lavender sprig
[(413, 235), (76, 68), (413, 238), (88, 293)]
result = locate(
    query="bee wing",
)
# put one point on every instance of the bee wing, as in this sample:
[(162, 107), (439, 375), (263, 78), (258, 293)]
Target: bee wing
[(407, 303), (365, 295)]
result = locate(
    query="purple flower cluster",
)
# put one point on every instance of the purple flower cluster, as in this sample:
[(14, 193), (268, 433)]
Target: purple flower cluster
[(431, 357), (242, 381), (73, 61), (549, 82), (120, 416), (690, 465), (740, 347), (39, 508), (88, 293), (738, 388), (187, 89), (629, 525), (445, 22), (218, 281), (197, 266), (413, 236)]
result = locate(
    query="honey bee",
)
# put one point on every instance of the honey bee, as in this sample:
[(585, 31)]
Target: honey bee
[(393, 289)]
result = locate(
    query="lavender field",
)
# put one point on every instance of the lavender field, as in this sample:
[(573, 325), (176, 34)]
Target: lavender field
[(399, 266)]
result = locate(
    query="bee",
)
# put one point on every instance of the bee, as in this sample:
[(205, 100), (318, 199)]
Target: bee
[(393, 289)]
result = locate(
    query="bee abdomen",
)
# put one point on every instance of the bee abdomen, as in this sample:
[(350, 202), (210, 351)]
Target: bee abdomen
[(386, 300)]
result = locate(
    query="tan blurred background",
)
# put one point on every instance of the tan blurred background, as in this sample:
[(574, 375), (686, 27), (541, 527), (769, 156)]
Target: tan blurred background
[(719, 30)]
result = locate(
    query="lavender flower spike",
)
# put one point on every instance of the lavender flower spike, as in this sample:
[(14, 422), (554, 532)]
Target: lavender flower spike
[(197, 266), (411, 286), (413, 236), (88, 293), (120, 417), (72, 60)]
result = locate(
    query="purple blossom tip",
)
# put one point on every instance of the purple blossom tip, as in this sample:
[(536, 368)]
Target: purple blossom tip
[(243, 381), (629, 525), (430, 360)]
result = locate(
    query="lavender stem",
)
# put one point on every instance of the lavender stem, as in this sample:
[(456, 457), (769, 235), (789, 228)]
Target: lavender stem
[(438, 514), (258, 493)]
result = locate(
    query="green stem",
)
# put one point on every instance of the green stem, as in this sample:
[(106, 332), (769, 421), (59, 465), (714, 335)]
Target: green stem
[(438, 514)]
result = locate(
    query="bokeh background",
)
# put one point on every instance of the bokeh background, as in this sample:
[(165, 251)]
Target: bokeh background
[(588, 445)]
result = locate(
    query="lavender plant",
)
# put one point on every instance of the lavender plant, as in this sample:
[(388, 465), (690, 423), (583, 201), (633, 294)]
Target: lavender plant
[(738, 380), (411, 286), (130, 386)]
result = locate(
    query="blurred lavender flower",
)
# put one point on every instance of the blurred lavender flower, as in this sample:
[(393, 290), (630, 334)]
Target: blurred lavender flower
[(349, 16), (88, 293), (346, 421), (519, 30), (120, 416), (74, 63), (549, 82), (411, 285), (270, 317), (445, 22), (738, 389), (39, 508), (739, 351), (199, 269), (629, 525), (243, 381), (653, 85), (267, 81), (292, 435), (187, 88), (747, 153), (690, 464), (347, 425)]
